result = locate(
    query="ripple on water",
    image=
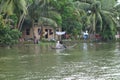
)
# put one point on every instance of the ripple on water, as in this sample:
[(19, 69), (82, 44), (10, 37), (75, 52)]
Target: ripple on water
[(6, 58), (62, 54), (87, 71), (26, 56)]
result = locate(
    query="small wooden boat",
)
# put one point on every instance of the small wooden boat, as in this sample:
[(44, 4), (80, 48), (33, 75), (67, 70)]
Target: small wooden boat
[(67, 47), (57, 48)]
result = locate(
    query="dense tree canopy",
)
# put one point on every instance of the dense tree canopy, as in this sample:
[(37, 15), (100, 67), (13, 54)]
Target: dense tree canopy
[(73, 16)]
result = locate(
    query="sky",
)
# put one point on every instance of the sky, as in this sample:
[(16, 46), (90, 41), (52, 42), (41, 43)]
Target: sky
[(118, 0)]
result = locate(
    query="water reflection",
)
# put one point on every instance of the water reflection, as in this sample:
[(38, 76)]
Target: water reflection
[(85, 46), (117, 47), (88, 61), (59, 50)]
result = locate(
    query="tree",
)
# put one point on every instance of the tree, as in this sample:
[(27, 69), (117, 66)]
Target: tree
[(110, 4), (42, 12), (8, 36), (13, 7), (10, 13), (100, 21), (70, 16)]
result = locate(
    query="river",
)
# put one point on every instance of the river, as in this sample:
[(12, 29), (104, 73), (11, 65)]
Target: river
[(86, 61)]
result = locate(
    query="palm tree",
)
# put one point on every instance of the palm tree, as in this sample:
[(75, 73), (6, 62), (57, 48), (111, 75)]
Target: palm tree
[(97, 19), (42, 12), (82, 8), (10, 7)]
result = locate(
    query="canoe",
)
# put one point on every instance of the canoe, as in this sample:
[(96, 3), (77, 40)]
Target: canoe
[(67, 47), (57, 48)]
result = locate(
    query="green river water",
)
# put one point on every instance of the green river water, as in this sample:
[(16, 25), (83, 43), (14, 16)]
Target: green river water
[(86, 61)]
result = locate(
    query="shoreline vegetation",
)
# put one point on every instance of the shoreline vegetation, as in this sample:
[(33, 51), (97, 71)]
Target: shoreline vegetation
[(66, 42), (27, 20), (40, 42)]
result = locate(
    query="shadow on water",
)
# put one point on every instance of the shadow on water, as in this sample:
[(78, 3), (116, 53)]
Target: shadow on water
[(86, 61)]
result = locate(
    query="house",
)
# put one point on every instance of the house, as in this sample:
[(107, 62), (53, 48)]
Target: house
[(47, 32)]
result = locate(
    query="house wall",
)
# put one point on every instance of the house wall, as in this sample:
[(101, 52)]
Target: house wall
[(37, 31), (28, 33), (24, 33), (47, 32), (56, 36)]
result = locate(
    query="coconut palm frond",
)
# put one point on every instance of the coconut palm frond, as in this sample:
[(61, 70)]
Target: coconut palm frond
[(94, 22), (108, 22), (47, 21), (89, 19), (22, 5), (82, 12), (81, 5), (115, 21), (7, 7), (2, 5), (55, 16), (107, 12), (116, 6), (10, 8), (42, 3), (111, 25), (99, 20)]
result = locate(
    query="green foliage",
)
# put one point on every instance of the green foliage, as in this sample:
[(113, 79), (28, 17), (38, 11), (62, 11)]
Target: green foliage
[(48, 21), (82, 5), (14, 18), (107, 4), (72, 15), (13, 6), (109, 27), (56, 17), (8, 36), (77, 28), (99, 20)]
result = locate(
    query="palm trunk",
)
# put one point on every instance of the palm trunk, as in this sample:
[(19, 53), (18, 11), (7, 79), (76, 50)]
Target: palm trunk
[(33, 28), (21, 22), (54, 34), (19, 26), (41, 34)]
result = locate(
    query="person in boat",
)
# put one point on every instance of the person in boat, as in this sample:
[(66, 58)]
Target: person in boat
[(60, 45)]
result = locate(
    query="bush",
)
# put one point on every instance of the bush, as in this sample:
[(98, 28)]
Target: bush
[(8, 36)]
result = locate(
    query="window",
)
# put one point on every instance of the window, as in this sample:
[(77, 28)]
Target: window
[(50, 32), (39, 31), (57, 29), (27, 31)]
